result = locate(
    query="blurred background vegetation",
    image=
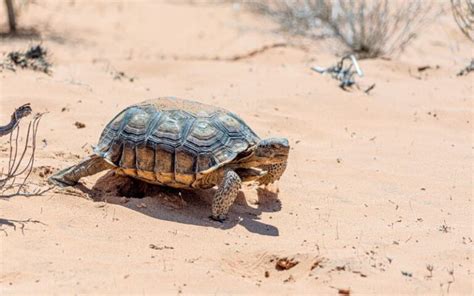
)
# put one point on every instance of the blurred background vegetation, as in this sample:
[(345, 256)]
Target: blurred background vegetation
[(367, 28)]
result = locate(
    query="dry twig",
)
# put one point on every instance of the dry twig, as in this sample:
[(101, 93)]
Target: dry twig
[(20, 165), (19, 113)]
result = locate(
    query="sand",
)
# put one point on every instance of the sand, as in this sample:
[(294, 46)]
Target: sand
[(377, 197)]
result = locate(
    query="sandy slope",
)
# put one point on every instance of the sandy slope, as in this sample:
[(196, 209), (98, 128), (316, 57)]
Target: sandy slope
[(372, 180)]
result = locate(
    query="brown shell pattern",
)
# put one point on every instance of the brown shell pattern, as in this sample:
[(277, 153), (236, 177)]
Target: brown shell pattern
[(173, 140)]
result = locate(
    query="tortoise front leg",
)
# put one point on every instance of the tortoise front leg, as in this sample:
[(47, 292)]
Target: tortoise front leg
[(225, 195), (274, 173), (71, 175)]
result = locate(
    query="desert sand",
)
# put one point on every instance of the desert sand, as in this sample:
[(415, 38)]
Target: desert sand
[(376, 199)]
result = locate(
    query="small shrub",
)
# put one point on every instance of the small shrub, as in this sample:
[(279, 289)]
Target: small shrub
[(369, 28), (35, 58), (463, 11)]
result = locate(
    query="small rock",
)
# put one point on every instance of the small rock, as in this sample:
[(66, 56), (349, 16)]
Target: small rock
[(285, 264), (290, 279), (344, 292), (79, 124)]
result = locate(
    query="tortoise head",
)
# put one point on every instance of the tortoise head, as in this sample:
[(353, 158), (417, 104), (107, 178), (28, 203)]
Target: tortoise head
[(272, 151)]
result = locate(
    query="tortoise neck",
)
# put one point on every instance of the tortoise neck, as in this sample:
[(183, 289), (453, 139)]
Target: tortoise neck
[(254, 161)]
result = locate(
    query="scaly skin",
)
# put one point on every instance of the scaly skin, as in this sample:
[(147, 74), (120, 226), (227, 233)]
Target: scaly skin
[(71, 175), (225, 195), (274, 173)]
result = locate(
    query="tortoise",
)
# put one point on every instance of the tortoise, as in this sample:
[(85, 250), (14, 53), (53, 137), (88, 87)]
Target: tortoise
[(183, 144)]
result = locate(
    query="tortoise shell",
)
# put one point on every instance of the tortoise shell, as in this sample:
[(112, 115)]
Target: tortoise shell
[(172, 141)]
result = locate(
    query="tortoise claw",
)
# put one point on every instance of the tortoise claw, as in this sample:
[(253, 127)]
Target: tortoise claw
[(219, 218)]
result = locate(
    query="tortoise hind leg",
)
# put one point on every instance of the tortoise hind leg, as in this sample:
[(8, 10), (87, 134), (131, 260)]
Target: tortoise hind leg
[(71, 175)]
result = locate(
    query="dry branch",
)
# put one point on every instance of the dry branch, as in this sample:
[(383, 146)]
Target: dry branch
[(19, 113), (240, 56), (255, 52), (11, 16), (20, 161)]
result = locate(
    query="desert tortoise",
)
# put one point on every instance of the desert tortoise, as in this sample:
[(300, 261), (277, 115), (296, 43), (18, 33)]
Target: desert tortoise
[(184, 144)]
